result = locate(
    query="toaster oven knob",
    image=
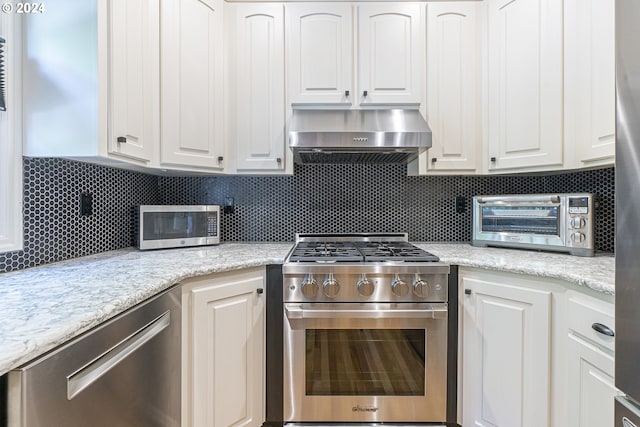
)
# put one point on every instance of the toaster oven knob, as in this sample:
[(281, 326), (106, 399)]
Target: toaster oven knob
[(365, 287), (309, 286), (577, 237), (331, 286), (399, 286), (421, 287), (578, 222)]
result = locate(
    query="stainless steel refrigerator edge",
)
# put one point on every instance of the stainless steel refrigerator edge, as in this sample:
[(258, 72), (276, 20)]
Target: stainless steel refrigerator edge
[(627, 347)]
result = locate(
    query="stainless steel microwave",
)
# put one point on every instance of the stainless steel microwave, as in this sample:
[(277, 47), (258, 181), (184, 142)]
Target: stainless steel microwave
[(553, 222), (160, 227)]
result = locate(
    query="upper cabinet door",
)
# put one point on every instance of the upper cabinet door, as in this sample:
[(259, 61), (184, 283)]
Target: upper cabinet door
[(260, 103), (133, 78), (453, 85), (525, 84), (191, 83), (390, 53), (320, 50), (590, 80)]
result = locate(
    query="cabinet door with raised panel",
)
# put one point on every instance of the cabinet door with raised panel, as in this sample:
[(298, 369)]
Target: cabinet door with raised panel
[(320, 53), (224, 328), (191, 84), (506, 362), (133, 78), (590, 80), (453, 85), (390, 53), (591, 388), (590, 361), (260, 103), (525, 84)]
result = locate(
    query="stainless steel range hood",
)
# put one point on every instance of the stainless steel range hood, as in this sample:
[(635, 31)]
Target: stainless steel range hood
[(358, 136)]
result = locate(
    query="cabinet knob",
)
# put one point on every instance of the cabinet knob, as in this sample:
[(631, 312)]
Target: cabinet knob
[(220, 159), (493, 159), (121, 140), (434, 159), (346, 93), (602, 329), (279, 160), (260, 291), (467, 291), (365, 93)]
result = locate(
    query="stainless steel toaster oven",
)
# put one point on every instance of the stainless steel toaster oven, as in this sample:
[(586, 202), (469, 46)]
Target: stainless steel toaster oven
[(553, 222)]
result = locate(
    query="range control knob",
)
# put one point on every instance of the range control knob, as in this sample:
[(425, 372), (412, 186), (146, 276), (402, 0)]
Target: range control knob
[(578, 222), (578, 237), (421, 288), (330, 286), (399, 286), (309, 286), (365, 287)]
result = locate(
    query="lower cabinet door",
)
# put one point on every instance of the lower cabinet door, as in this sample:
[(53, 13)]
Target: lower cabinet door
[(506, 345), (591, 389), (224, 349)]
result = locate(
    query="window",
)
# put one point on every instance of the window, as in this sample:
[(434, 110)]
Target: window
[(10, 134)]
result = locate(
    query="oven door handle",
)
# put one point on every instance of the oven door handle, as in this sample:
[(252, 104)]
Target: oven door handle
[(436, 311), (519, 200)]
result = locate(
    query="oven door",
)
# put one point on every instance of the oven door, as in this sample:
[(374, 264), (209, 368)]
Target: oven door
[(370, 362), (522, 221)]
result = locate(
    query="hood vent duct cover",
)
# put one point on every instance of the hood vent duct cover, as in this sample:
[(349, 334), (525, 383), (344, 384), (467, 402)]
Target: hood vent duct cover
[(358, 136)]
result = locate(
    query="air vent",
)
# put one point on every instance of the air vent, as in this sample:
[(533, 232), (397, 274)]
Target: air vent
[(337, 157), (3, 78)]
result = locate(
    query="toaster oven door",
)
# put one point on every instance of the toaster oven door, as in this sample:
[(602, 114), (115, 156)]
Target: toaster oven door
[(533, 221)]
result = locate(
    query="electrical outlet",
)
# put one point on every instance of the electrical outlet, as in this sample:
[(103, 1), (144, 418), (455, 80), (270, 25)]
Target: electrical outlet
[(228, 207), (86, 204), (460, 204)]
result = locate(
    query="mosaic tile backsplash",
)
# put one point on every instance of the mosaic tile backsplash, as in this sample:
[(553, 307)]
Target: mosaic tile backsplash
[(373, 198), (318, 198), (53, 227)]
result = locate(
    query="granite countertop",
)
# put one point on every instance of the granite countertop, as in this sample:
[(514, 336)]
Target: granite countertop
[(597, 273), (46, 306)]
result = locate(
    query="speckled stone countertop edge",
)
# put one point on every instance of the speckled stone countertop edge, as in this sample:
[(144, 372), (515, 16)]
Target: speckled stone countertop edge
[(41, 308), (596, 273)]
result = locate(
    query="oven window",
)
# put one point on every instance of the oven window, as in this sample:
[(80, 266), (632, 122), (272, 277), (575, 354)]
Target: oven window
[(521, 219), (365, 362)]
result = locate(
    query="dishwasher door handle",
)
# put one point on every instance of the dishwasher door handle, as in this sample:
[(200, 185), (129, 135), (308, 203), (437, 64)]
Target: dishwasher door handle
[(92, 371)]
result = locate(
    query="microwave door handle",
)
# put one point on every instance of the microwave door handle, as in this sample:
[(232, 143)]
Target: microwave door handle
[(519, 199), (436, 312)]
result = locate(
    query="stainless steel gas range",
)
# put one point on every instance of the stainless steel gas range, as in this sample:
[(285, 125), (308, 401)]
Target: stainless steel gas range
[(365, 331)]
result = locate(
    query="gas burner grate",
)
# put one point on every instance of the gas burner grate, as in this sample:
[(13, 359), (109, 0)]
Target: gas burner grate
[(395, 252), (325, 252)]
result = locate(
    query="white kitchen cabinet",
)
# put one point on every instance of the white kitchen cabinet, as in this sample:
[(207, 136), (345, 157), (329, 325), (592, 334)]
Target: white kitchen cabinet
[(258, 56), (191, 84), (525, 85), (223, 349), (506, 352), (320, 53), (134, 76), (590, 362), (96, 99), (11, 192), (391, 53), (454, 70), (590, 81)]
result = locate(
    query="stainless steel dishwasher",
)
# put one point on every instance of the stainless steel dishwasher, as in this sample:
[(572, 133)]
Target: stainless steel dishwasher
[(124, 373)]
